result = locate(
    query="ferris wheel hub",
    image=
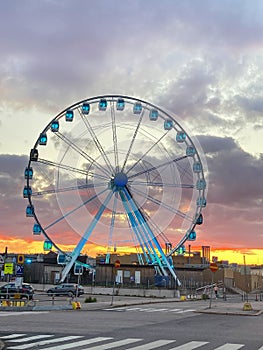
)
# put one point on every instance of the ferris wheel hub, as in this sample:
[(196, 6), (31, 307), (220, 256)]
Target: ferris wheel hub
[(120, 179)]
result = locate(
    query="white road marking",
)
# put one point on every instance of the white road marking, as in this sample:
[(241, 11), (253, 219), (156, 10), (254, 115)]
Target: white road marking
[(45, 342), (78, 343), (152, 345), (34, 337), (114, 344), (10, 336), (229, 346), (190, 346)]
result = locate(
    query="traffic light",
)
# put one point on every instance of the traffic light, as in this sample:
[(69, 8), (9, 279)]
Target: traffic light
[(20, 259)]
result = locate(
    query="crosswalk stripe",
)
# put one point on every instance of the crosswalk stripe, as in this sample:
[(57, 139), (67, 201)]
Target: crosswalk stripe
[(152, 345), (16, 313), (39, 336), (229, 346), (10, 336), (45, 342), (114, 344), (184, 311), (78, 343), (190, 346)]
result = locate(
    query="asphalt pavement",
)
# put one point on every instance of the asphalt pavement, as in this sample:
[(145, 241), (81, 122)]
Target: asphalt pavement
[(231, 306)]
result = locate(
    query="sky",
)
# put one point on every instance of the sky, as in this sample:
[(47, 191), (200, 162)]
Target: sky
[(201, 60)]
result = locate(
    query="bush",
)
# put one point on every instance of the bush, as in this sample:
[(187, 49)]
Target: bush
[(90, 300)]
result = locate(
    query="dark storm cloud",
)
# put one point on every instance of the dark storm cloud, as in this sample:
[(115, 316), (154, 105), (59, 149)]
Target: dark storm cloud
[(67, 48), (235, 176)]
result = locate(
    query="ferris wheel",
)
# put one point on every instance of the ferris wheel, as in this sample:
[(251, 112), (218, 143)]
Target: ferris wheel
[(118, 173)]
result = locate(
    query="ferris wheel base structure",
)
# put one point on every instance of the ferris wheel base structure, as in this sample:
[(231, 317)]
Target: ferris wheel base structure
[(116, 171)]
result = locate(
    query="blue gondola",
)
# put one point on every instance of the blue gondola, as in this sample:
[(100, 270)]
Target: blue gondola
[(137, 108), (168, 124), (42, 139), (37, 229), (28, 173), (120, 104), (34, 155), (27, 191), (55, 126), (61, 259), (201, 184), (85, 108), (192, 236), (180, 136), (103, 104), (29, 211), (199, 220), (201, 202), (153, 114), (190, 151), (197, 167), (69, 115)]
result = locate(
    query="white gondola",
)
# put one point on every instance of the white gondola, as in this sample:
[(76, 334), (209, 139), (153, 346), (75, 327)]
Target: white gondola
[(34, 155)]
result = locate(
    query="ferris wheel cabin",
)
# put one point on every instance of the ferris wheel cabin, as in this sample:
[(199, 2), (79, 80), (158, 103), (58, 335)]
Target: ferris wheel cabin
[(28, 173), (69, 116), (37, 229), (85, 108), (168, 124), (120, 104), (29, 211), (103, 104), (153, 114), (42, 139), (55, 126), (34, 155), (137, 108)]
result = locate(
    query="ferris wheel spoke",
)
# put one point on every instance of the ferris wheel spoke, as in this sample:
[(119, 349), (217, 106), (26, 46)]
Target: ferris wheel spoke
[(67, 189), (113, 215), (164, 205), (114, 135), (158, 166), (96, 141), (75, 209), (86, 235), (81, 152), (144, 154), (72, 169), (160, 184), (133, 139)]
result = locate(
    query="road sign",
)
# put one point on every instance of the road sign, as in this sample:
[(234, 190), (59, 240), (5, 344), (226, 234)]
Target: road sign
[(20, 259), (117, 264), (213, 267), (8, 268), (19, 270), (2, 261)]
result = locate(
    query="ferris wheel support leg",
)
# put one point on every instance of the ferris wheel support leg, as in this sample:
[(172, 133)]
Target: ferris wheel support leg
[(85, 237), (143, 222)]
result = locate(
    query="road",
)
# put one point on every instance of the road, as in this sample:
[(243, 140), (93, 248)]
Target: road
[(164, 326)]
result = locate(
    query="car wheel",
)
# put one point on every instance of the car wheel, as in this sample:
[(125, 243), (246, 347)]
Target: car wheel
[(70, 294)]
